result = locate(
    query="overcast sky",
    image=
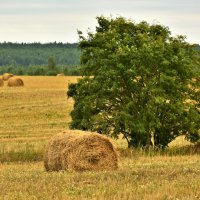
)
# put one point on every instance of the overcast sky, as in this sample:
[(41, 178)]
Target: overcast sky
[(58, 20)]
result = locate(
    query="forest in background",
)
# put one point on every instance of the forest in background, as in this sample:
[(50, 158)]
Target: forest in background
[(39, 59)]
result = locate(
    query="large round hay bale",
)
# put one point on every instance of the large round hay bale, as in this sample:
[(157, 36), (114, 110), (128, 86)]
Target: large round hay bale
[(80, 151), (15, 82), (7, 76), (1, 82)]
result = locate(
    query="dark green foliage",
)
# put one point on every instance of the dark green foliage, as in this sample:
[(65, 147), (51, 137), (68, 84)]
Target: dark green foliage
[(37, 54), (52, 63), (35, 71), (52, 69), (41, 70), (136, 80), (21, 59)]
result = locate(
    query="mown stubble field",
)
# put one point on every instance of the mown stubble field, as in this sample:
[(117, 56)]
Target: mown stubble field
[(29, 116)]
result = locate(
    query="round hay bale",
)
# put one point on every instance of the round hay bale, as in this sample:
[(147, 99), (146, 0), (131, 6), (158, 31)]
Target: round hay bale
[(15, 82), (80, 151), (7, 76), (1, 82), (60, 75)]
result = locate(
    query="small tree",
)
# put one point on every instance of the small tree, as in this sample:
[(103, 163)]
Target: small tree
[(139, 81), (51, 64), (52, 69)]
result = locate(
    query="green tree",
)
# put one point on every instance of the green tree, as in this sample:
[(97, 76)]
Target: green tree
[(52, 64), (138, 80)]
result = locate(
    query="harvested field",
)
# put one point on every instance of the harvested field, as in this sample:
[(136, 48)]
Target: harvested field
[(38, 109), (1, 82), (32, 114)]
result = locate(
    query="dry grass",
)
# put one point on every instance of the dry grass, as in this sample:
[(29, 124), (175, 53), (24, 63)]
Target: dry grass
[(1, 82), (30, 115), (144, 178), (39, 109)]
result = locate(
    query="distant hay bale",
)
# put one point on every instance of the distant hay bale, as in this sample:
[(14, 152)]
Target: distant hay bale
[(80, 151), (60, 75), (15, 82), (7, 76), (1, 82)]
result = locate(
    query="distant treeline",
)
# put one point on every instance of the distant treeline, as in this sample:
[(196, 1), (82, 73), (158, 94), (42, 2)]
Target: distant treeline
[(197, 46), (41, 70), (41, 59), (33, 58)]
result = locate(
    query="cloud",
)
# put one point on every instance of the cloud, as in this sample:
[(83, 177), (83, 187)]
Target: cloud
[(59, 19)]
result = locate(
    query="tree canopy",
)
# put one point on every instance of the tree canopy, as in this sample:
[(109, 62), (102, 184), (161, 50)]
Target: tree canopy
[(139, 81)]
